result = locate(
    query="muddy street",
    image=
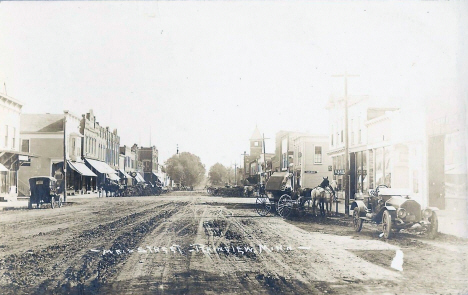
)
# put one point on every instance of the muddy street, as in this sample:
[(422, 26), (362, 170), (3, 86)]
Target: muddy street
[(195, 244)]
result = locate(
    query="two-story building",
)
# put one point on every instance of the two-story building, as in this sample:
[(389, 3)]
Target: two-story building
[(43, 135), (11, 156), (100, 148), (128, 163), (310, 160), (257, 164), (149, 158)]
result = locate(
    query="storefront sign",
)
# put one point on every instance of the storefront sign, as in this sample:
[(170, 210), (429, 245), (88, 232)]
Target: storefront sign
[(339, 172), (362, 172), (310, 172)]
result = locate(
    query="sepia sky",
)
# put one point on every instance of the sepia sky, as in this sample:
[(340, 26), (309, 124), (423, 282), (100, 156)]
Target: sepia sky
[(203, 74)]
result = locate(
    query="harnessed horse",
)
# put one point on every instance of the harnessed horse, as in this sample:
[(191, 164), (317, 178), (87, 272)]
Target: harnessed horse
[(323, 196)]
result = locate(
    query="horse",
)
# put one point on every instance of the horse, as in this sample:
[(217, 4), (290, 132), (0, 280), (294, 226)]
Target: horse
[(319, 194)]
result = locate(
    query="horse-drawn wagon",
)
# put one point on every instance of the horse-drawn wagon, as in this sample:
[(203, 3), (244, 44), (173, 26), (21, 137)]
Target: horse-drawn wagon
[(279, 194), (44, 189)]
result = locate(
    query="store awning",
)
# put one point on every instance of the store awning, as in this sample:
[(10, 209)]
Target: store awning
[(139, 178), (125, 174), (3, 168), (81, 168), (101, 167), (113, 176), (2, 152)]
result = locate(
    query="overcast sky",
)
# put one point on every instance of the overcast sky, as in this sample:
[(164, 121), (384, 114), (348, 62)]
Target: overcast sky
[(204, 74)]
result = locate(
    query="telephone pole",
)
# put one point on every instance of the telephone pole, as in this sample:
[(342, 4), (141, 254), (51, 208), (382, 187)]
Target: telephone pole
[(346, 176), (235, 173), (65, 114)]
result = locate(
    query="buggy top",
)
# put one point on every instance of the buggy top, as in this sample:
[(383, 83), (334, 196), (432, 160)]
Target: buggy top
[(277, 181)]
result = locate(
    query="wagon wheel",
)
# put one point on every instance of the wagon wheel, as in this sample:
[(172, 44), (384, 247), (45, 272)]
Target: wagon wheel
[(434, 226), (52, 202), (263, 206), (387, 224), (285, 206), (60, 202), (357, 221)]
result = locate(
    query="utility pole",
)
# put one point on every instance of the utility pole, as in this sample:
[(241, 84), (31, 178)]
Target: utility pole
[(235, 173), (65, 156), (245, 171), (346, 176)]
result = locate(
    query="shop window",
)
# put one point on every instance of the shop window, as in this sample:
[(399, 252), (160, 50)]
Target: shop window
[(365, 177), (379, 173), (387, 168)]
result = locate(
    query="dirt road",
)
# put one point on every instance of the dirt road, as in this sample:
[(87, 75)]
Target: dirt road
[(196, 244)]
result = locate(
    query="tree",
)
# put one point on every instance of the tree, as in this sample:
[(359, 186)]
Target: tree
[(217, 174), (185, 168)]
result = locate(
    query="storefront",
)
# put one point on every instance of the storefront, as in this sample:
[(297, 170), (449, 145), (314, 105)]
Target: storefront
[(10, 163), (102, 170), (82, 178)]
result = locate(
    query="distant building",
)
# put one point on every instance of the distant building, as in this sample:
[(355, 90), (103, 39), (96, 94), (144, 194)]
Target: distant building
[(310, 160), (101, 148), (255, 169), (149, 158), (128, 163), (43, 135), (11, 156), (303, 155)]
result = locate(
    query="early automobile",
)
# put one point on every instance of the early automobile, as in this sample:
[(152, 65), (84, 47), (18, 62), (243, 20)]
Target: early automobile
[(394, 210), (44, 190)]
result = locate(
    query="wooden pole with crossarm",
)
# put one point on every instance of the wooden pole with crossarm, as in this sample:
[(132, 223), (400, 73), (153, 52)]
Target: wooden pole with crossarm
[(346, 176)]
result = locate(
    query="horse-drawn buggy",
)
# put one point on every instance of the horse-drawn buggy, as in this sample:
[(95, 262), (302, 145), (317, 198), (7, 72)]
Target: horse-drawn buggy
[(44, 189), (280, 194)]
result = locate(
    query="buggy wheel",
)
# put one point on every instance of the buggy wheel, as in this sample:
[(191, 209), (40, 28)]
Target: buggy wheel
[(263, 206), (357, 221), (52, 202), (434, 227), (387, 224), (285, 206), (60, 202)]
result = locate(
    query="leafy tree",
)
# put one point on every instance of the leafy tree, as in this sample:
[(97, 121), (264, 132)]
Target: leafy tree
[(217, 174), (185, 168)]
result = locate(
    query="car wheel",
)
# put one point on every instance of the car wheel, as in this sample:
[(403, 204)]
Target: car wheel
[(434, 226), (387, 224), (357, 221)]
